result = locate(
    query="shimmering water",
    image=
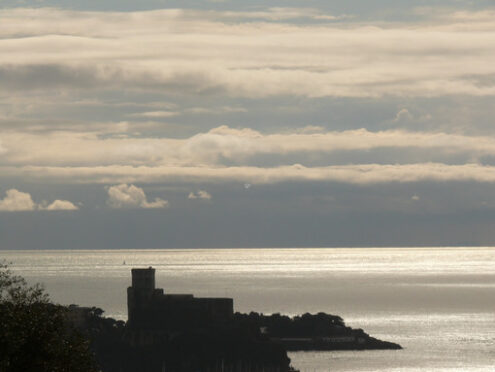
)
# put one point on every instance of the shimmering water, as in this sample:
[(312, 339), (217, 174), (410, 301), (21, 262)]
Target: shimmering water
[(438, 303)]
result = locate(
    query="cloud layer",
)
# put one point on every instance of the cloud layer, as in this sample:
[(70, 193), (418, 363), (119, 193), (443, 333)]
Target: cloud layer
[(227, 154), (325, 127), (272, 52), (243, 54), (362, 174), (222, 143)]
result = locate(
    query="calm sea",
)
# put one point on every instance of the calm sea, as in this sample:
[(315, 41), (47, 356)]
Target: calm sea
[(438, 303)]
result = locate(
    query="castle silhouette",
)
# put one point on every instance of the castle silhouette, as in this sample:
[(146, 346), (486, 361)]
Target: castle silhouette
[(150, 308)]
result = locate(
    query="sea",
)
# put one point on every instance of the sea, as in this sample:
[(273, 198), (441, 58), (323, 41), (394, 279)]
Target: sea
[(438, 303)]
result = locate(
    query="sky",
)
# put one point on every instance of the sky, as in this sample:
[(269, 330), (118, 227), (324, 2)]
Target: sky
[(184, 124)]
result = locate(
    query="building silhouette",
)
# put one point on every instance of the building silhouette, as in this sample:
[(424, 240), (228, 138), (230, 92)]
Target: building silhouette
[(150, 308)]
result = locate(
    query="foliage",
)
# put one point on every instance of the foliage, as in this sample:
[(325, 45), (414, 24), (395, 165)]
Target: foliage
[(306, 325), (34, 333)]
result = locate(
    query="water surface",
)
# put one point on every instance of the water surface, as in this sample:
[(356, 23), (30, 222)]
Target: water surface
[(436, 302)]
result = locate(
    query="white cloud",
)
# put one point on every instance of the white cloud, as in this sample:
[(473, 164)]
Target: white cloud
[(16, 200), (59, 205), (200, 194), (361, 174), (130, 196), (415, 197), (279, 14), (210, 148), (156, 114)]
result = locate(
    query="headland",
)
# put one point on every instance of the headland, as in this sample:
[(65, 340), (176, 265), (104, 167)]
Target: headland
[(180, 332)]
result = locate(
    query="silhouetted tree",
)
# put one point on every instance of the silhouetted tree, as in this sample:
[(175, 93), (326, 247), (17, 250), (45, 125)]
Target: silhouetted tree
[(35, 334)]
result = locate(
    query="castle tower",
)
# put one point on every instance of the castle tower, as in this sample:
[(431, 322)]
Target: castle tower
[(143, 279), (140, 294)]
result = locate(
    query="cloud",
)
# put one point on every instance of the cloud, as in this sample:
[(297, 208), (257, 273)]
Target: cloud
[(155, 114), (277, 52), (200, 194), (16, 200), (215, 110), (278, 14), (130, 196), (229, 53), (403, 116), (59, 205), (460, 17), (3, 150), (415, 197), (225, 144), (226, 154), (359, 174), (89, 157)]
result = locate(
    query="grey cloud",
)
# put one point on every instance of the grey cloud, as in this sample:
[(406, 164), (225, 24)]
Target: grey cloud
[(297, 215), (93, 77), (482, 81), (39, 77), (200, 194)]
